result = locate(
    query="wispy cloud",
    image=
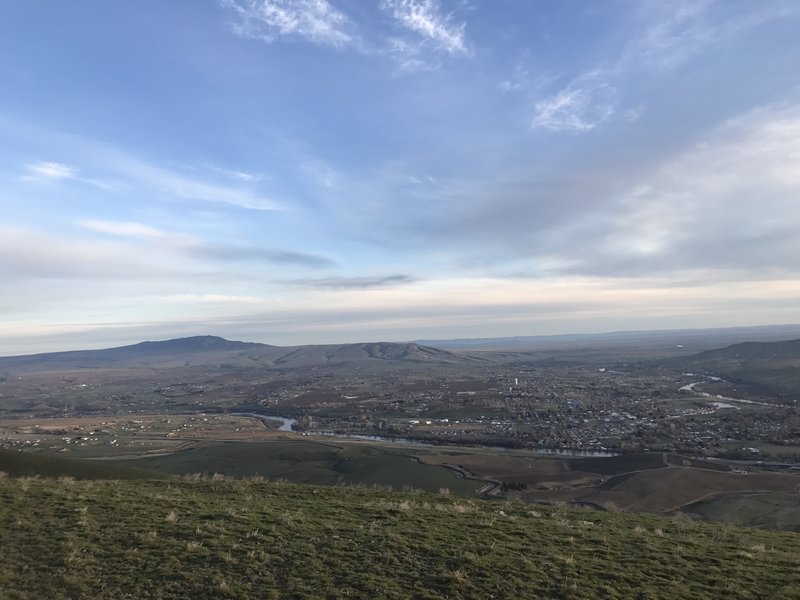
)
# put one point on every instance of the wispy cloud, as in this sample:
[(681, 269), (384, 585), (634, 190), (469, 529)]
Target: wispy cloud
[(44, 171), (313, 20), (187, 186), (238, 175), (581, 106), (666, 34), (426, 19), (199, 249), (51, 170), (115, 170), (134, 230), (418, 30), (674, 30), (350, 283), (254, 253)]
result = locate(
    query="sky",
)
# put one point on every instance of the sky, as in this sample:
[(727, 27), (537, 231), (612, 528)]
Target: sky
[(332, 171)]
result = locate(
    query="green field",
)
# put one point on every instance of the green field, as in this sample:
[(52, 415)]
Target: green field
[(245, 539), (21, 464), (313, 462)]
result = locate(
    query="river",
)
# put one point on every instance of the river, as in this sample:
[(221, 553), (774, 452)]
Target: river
[(287, 424), (689, 387)]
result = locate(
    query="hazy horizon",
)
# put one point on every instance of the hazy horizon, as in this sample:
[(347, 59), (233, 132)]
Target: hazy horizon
[(66, 344), (332, 171)]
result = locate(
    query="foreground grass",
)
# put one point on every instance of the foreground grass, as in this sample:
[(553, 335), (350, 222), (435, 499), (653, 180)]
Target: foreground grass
[(246, 539)]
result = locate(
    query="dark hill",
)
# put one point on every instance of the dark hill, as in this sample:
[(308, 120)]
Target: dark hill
[(368, 355), (198, 343), (216, 352), (754, 351), (180, 347), (772, 365)]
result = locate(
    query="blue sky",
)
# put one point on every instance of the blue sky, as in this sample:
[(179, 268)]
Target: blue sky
[(315, 171)]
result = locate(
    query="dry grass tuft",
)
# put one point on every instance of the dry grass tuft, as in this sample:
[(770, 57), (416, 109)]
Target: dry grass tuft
[(172, 517)]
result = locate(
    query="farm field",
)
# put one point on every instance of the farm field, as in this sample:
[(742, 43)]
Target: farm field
[(654, 482), (314, 462), (120, 435), (28, 464)]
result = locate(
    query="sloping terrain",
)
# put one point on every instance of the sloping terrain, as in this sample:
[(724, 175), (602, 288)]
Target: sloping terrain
[(218, 352), (670, 489), (768, 510), (652, 482), (143, 353), (362, 356), (773, 365), (245, 539)]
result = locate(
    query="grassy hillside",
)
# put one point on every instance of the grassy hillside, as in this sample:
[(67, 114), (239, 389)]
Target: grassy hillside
[(246, 539), (21, 464)]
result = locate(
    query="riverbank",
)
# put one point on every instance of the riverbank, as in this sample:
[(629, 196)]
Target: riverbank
[(287, 424)]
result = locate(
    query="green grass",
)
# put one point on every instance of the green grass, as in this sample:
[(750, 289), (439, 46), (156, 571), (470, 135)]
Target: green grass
[(246, 539), (18, 464), (770, 510), (619, 464), (314, 463)]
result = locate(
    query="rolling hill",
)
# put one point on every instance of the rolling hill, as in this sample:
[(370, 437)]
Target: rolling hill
[(773, 365), (216, 351)]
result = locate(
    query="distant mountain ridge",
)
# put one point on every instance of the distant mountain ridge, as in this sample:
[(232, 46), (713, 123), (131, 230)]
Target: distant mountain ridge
[(195, 344), (213, 350), (198, 343), (697, 338), (745, 352)]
